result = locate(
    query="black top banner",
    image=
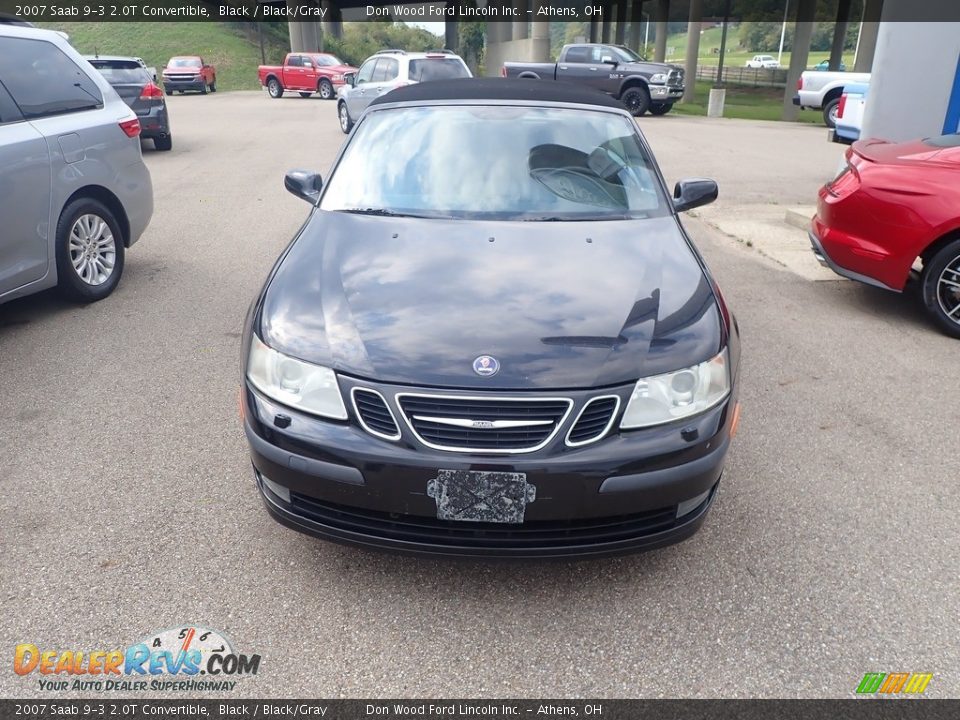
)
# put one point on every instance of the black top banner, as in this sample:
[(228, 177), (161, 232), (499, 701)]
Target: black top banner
[(475, 10), (863, 709)]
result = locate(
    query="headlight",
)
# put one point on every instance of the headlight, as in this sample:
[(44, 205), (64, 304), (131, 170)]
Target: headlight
[(664, 398), (338, 78), (299, 384), (658, 79)]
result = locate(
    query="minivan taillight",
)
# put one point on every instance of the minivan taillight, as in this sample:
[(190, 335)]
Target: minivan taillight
[(151, 92), (841, 105), (800, 83), (503, 71), (131, 127)]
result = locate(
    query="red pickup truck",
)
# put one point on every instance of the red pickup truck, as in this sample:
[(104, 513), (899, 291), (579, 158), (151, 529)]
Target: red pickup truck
[(306, 73), (189, 72)]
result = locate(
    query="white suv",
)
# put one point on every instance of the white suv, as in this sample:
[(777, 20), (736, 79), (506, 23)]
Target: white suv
[(389, 69)]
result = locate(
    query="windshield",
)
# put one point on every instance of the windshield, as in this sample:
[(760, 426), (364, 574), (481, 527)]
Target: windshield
[(626, 55), (119, 72), (327, 60), (437, 69), (496, 162), (185, 62)]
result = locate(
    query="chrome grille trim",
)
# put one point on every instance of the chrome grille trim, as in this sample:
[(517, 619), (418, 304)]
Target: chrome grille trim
[(376, 433), (489, 398), (606, 429)]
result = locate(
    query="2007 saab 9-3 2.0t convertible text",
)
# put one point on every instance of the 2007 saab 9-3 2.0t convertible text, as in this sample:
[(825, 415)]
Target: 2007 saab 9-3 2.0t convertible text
[(492, 336)]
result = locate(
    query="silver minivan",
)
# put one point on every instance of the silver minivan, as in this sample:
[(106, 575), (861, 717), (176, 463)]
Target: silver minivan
[(74, 191)]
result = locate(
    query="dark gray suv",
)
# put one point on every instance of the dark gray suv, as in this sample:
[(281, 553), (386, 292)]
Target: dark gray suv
[(74, 191)]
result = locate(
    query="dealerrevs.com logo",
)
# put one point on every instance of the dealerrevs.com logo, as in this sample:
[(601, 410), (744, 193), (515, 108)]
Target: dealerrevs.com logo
[(188, 658)]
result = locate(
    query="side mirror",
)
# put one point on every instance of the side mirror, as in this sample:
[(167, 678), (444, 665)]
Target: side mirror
[(694, 192), (607, 60), (350, 79), (304, 184)]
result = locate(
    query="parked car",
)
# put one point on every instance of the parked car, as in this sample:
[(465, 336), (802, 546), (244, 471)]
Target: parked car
[(824, 65), (822, 90), (135, 85), (189, 72), (389, 69), (763, 61), (892, 205), (388, 403), (640, 85), (305, 73), (850, 113), (74, 191)]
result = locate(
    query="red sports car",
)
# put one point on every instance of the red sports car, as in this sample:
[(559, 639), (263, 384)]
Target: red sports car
[(892, 206)]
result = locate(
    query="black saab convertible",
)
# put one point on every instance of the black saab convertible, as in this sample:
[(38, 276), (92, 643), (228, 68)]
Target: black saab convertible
[(492, 336)]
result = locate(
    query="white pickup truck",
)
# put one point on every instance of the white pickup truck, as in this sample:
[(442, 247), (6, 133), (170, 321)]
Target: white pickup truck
[(820, 90)]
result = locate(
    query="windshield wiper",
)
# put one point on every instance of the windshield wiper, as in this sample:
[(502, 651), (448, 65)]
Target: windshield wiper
[(581, 218), (378, 211)]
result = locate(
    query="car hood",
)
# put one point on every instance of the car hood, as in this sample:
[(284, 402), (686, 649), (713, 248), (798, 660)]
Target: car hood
[(647, 67), (559, 304), (340, 69)]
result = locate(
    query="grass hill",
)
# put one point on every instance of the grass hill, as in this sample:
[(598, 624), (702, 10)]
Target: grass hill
[(231, 50)]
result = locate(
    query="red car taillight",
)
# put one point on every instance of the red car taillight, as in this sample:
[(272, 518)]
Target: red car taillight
[(842, 105), (151, 92), (131, 127), (800, 83)]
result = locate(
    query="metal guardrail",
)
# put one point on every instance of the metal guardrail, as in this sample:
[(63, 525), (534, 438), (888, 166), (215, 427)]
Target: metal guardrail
[(755, 77)]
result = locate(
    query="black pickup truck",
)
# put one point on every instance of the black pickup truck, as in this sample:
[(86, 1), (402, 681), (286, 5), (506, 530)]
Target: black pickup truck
[(614, 69)]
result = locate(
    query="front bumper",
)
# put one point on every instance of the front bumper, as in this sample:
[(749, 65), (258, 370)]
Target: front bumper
[(632, 491), (170, 85), (665, 93)]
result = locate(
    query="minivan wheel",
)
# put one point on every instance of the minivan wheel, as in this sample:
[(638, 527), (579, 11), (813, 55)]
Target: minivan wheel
[(325, 88), (346, 124), (941, 288), (89, 251), (163, 143), (274, 88)]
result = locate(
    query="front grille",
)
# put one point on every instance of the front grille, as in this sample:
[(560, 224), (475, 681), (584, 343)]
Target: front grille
[(180, 78), (543, 534), (675, 78), (593, 420), (375, 416), (484, 424)]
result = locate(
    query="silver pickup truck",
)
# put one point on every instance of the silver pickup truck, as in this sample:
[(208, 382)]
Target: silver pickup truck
[(822, 90), (616, 70)]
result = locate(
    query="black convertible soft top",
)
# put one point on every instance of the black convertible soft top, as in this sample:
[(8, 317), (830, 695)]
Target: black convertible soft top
[(547, 91)]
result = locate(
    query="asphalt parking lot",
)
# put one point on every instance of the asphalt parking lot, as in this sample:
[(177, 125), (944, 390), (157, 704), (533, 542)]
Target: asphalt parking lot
[(129, 506)]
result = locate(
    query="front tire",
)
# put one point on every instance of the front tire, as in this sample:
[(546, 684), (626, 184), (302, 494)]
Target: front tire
[(203, 88), (637, 100), (325, 88), (89, 251), (346, 122), (213, 86), (941, 288), (274, 88), (830, 113), (660, 108)]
